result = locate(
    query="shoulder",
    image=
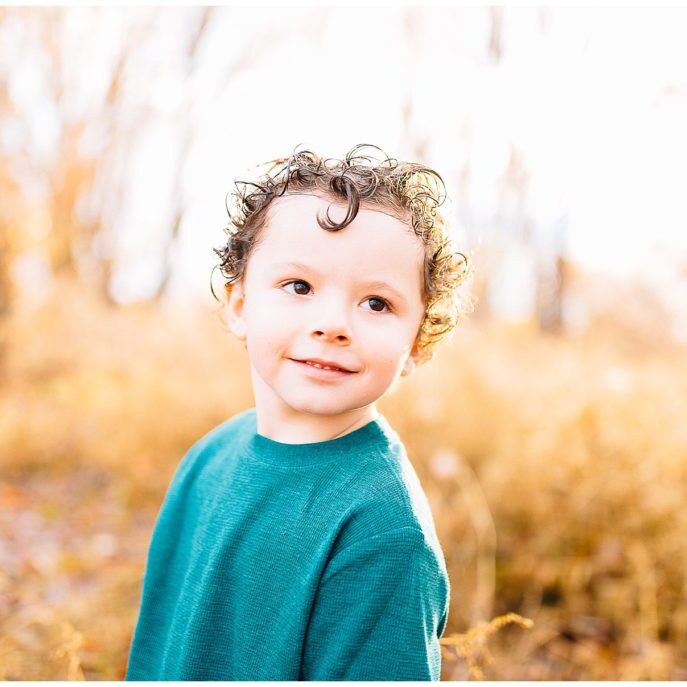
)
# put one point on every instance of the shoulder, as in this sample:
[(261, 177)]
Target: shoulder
[(399, 547), (401, 559), (225, 430), (219, 438), (388, 496)]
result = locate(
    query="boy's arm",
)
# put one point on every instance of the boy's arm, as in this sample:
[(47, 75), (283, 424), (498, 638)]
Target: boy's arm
[(379, 611)]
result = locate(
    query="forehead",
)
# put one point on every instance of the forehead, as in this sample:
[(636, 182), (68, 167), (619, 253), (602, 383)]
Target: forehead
[(374, 243)]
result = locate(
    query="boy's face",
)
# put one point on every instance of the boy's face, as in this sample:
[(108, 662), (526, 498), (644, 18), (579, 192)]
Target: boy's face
[(328, 307)]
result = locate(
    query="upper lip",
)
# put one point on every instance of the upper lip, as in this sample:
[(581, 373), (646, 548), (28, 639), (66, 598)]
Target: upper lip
[(326, 363)]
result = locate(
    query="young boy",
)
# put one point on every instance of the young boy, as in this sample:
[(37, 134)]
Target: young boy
[(295, 541)]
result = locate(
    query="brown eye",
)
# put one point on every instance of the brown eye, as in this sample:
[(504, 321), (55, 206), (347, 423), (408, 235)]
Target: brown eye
[(297, 283), (375, 304)]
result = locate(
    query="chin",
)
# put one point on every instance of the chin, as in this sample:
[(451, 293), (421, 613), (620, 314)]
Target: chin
[(319, 408), (329, 404)]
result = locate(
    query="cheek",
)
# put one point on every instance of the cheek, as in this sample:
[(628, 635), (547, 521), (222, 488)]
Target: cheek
[(265, 314), (388, 350)]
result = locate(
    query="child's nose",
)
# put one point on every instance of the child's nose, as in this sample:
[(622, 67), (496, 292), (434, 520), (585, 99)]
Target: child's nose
[(329, 335), (331, 325)]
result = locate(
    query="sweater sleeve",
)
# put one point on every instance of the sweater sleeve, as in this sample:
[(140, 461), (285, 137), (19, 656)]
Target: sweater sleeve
[(379, 611)]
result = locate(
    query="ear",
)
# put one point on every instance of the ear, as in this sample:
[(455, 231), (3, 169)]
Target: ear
[(234, 309), (411, 362)]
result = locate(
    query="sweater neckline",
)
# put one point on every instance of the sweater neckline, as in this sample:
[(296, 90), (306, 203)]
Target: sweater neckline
[(356, 445)]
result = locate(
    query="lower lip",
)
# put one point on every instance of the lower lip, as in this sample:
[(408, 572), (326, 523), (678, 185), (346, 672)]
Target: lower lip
[(319, 373)]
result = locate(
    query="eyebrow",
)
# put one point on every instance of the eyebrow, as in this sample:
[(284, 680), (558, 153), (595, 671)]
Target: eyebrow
[(374, 284)]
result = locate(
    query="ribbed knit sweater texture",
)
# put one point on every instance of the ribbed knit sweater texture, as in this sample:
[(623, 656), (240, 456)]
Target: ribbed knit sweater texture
[(275, 561)]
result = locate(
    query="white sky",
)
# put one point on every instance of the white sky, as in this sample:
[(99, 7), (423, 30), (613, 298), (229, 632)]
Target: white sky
[(594, 99), (596, 103)]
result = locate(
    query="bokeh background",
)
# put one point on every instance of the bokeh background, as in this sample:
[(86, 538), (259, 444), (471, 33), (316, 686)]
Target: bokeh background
[(549, 433)]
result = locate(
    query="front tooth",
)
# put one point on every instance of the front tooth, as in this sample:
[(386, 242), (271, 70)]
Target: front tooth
[(322, 367)]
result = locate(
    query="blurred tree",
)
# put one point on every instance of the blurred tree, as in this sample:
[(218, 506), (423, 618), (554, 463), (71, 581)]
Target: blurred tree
[(552, 282), (96, 125), (87, 134), (258, 46), (197, 31), (495, 46), (10, 201), (413, 138), (545, 250), (511, 209)]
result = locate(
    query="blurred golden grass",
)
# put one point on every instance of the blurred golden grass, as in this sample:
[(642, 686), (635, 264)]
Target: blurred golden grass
[(556, 469), (472, 645)]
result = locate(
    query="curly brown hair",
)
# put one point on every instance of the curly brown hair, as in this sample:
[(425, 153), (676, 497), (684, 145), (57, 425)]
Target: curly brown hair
[(410, 191)]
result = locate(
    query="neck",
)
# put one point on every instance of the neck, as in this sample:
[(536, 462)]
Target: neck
[(307, 428)]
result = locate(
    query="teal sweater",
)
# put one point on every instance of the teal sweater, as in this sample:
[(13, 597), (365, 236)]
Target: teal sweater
[(274, 561)]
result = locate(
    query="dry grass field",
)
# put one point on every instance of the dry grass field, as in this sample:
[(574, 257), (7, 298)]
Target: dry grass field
[(556, 468)]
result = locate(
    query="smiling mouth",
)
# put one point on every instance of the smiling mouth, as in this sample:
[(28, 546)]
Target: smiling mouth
[(325, 368)]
